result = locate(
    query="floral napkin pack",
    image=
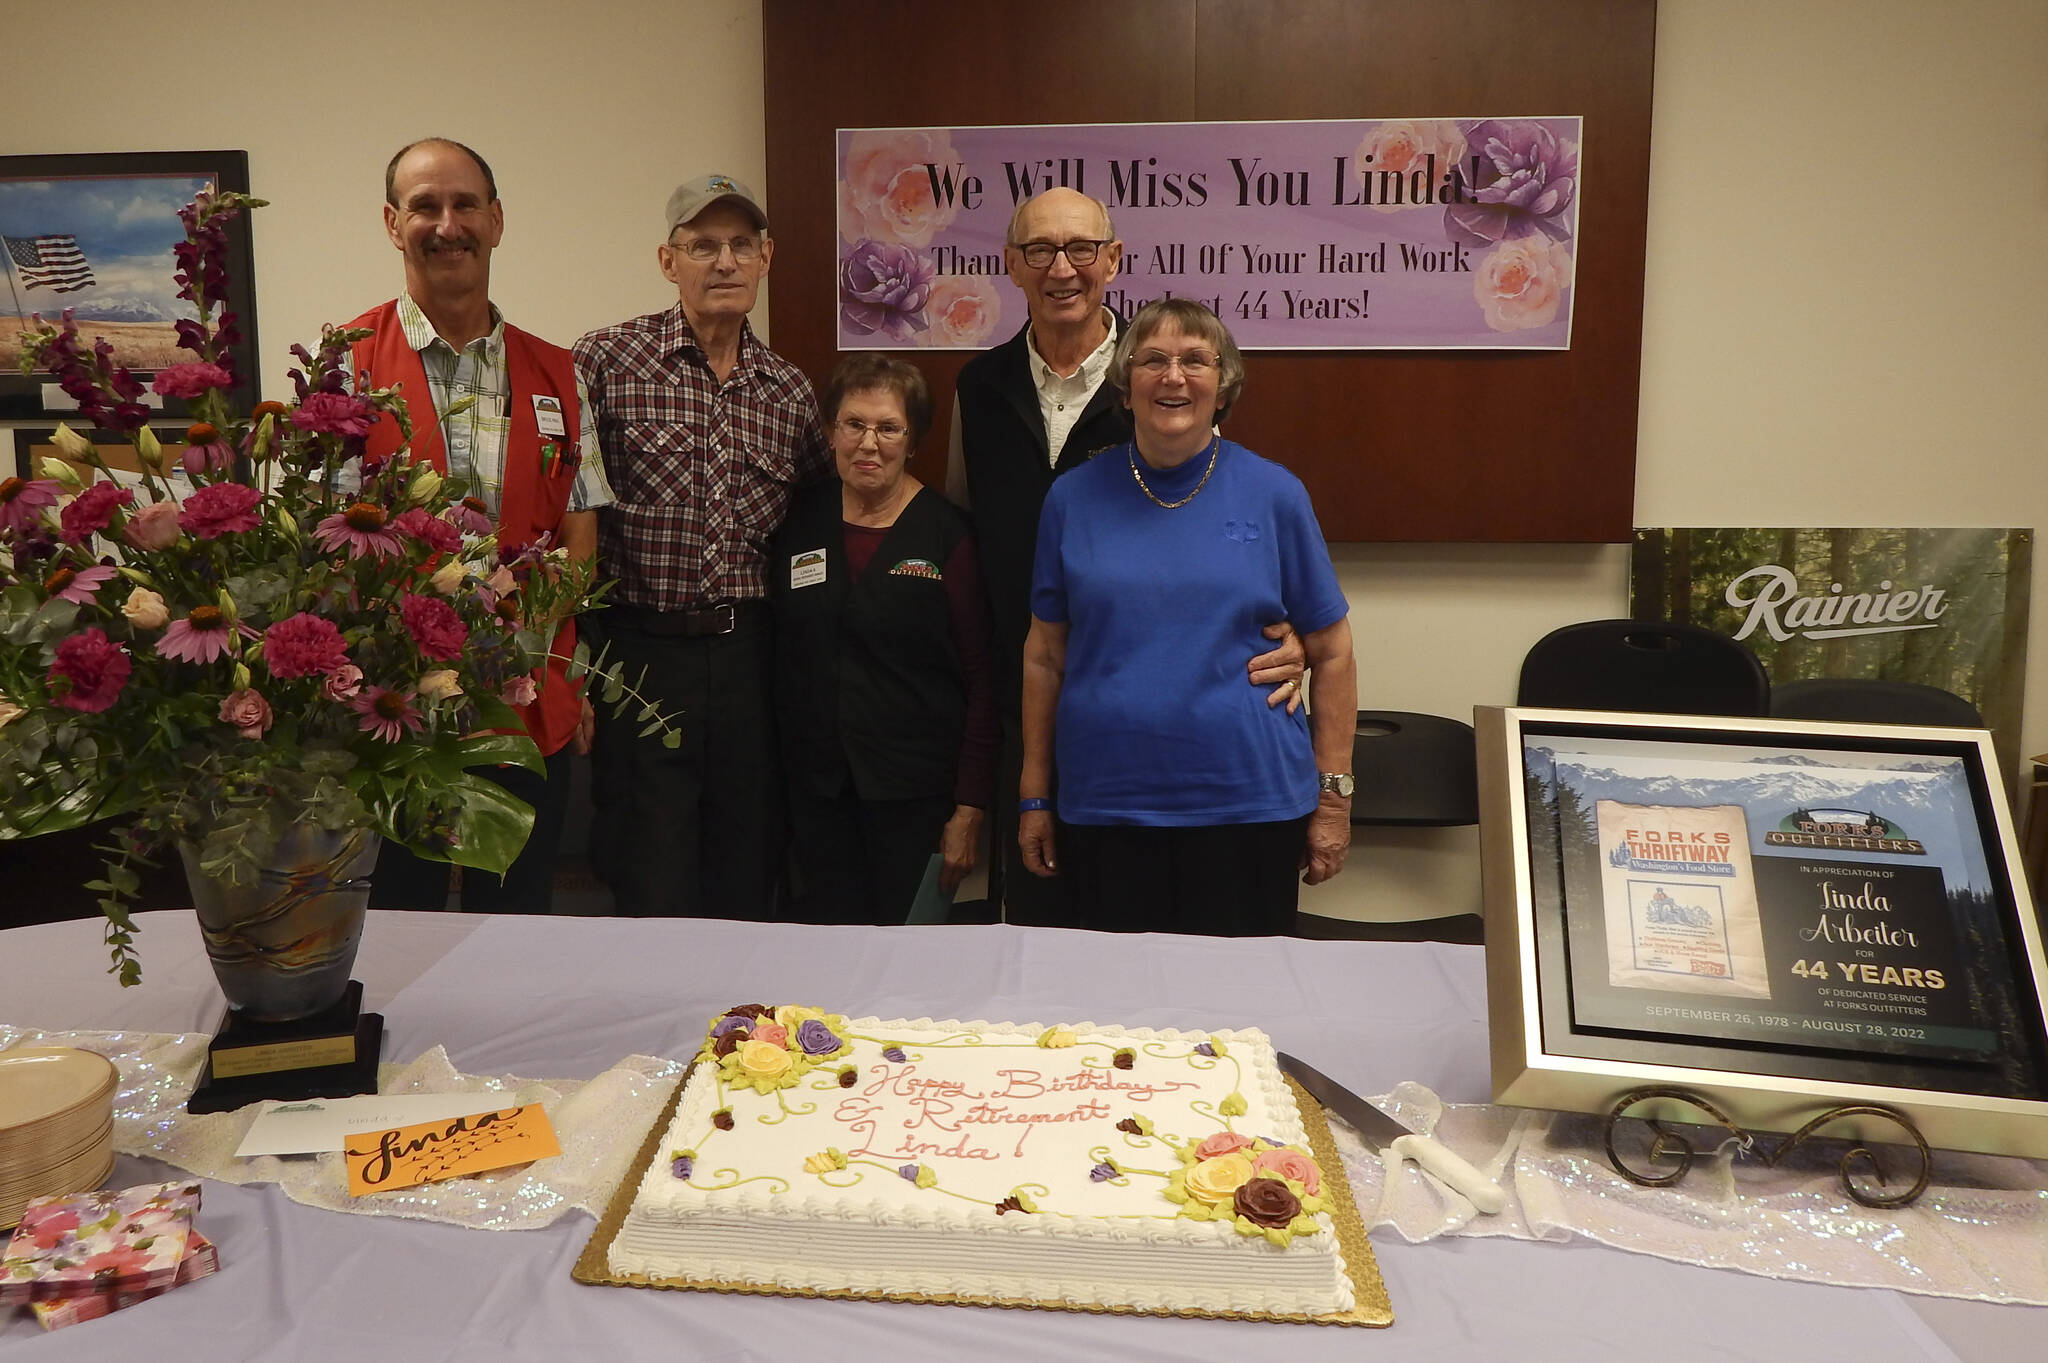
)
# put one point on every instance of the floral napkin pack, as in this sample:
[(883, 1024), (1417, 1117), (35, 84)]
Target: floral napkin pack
[(83, 1255)]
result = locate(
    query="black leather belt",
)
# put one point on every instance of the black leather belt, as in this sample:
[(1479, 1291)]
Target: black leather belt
[(721, 618)]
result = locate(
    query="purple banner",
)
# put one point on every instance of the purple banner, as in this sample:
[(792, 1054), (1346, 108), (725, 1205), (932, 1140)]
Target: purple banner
[(1372, 234)]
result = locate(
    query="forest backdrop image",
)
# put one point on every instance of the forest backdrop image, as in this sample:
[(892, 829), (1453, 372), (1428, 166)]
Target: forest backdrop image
[(1944, 608)]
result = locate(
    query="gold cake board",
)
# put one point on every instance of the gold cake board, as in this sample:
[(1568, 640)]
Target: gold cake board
[(1369, 1292)]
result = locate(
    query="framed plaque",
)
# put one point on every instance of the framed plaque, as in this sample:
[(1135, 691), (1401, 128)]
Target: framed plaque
[(1780, 915)]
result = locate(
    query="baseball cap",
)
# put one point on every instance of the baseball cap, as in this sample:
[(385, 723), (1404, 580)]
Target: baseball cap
[(694, 196)]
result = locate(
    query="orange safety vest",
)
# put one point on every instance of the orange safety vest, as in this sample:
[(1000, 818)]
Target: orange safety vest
[(530, 502)]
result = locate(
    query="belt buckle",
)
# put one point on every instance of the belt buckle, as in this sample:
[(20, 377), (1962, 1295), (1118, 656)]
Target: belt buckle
[(722, 617)]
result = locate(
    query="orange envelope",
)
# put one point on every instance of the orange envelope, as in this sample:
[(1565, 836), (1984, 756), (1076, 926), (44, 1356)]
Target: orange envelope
[(408, 1156)]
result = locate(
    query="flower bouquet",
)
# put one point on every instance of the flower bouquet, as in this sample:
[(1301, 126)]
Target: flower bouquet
[(279, 633)]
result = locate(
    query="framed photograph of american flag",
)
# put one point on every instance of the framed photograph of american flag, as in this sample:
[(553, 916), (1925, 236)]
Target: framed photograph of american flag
[(93, 233)]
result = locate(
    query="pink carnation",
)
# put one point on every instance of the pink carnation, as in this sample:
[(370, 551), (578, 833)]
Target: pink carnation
[(303, 645), (334, 414), (430, 530), (89, 672), (1222, 1143), (436, 630), (88, 513), (190, 380), (220, 509), (247, 711)]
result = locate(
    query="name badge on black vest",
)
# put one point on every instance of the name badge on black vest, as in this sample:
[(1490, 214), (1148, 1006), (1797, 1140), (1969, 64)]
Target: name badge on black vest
[(806, 569)]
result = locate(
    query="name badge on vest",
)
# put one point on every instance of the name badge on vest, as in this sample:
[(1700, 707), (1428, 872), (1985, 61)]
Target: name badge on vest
[(547, 415), (806, 569)]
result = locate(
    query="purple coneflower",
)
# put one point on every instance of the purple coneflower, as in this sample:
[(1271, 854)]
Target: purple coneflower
[(387, 714), (360, 530), (200, 637), (22, 501), (76, 584)]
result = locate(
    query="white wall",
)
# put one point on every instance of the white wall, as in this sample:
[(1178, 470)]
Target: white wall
[(1847, 203)]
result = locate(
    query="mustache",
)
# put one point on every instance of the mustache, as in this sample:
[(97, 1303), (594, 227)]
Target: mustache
[(442, 245)]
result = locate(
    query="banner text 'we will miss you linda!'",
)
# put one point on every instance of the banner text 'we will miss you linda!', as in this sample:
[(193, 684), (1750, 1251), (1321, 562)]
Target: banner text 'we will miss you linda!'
[(1359, 234)]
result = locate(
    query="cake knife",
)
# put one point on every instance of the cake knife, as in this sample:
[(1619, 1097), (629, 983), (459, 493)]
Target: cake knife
[(1389, 1137)]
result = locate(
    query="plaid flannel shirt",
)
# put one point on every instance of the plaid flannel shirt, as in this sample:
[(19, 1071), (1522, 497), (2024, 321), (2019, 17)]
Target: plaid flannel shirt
[(703, 471)]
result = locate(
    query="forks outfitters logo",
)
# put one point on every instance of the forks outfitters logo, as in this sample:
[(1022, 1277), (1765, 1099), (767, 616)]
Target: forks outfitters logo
[(1775, 605), (1845, 830)]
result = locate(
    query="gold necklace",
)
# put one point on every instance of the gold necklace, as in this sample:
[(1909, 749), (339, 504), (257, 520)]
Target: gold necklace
[(1215, 448)]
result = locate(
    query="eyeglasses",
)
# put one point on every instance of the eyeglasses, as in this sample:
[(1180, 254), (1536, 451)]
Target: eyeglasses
[(1080, 252), (704, 250), (887, 433), (1194, 364)]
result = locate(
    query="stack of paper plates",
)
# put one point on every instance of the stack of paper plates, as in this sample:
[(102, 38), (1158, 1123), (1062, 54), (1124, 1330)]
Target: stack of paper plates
[(56, 1125)]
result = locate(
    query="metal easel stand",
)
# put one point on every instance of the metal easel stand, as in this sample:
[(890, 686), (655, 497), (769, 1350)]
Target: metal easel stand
[(1670, 1144)]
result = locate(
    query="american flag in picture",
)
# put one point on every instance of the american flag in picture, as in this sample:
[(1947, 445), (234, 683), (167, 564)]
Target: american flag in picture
[(53, 262)]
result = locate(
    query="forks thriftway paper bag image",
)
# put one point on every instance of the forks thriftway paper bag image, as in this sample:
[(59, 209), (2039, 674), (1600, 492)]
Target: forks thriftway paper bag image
[(1679, 900)]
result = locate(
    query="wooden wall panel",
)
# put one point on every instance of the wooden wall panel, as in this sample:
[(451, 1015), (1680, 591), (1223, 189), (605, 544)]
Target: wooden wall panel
[(1394, 445)]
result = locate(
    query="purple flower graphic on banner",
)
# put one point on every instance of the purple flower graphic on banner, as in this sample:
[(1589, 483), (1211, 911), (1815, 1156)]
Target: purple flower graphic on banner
[(1528, 178), (885, 192), (883, 289)]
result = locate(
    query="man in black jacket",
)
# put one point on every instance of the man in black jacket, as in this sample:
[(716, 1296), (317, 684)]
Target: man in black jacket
[(1024, 413)]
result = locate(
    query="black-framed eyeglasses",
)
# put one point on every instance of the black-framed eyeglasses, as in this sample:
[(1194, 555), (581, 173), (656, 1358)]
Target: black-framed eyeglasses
[(885, 433), (1079, 252), (704, 250)]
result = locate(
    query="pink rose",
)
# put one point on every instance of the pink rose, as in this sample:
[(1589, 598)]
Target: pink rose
[(152, 527), (963, 311), (247, 711), (519, 691), (771, 1032), (1290, 1164), (1222, 1143), (1521, 283), (1404, 146), (885, 192), (342, 683)]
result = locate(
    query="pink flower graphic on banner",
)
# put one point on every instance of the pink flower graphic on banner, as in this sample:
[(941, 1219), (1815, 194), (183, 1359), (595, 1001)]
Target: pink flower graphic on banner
[(1404, 146), (963, 311), (883, 289), (885, 192), (1520, 284), (1528, 178)]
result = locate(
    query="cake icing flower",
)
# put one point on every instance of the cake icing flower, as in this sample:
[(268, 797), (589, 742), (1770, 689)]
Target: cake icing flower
[(1056, 1038), (763, 1048), (1214, 1181)]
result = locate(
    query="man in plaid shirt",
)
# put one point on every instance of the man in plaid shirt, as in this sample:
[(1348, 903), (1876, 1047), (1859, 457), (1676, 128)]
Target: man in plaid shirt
[(526, 447), (706, 434)]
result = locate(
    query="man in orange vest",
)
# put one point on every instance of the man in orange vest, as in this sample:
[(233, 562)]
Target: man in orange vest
[(523, 447)]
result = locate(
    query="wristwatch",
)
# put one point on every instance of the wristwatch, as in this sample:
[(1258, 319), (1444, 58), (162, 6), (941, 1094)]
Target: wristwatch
[(1336, 782)]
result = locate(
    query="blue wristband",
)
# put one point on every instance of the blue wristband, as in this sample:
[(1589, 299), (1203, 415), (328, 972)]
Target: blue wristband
[(1032, 805)]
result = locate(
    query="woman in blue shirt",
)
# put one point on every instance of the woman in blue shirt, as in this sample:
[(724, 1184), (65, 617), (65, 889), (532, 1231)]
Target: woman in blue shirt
[(1184, 803)]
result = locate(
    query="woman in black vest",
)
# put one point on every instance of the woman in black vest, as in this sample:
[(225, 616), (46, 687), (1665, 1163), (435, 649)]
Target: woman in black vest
[(882, 663)]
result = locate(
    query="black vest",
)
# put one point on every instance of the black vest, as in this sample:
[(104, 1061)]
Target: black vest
[(868, 685), (1003, 447)]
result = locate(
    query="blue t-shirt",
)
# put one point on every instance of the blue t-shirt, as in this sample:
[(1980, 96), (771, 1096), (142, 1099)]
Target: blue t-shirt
[(1157, 723)]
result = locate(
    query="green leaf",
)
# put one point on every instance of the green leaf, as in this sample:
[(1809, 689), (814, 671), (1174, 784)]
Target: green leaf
[(491, 828)]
